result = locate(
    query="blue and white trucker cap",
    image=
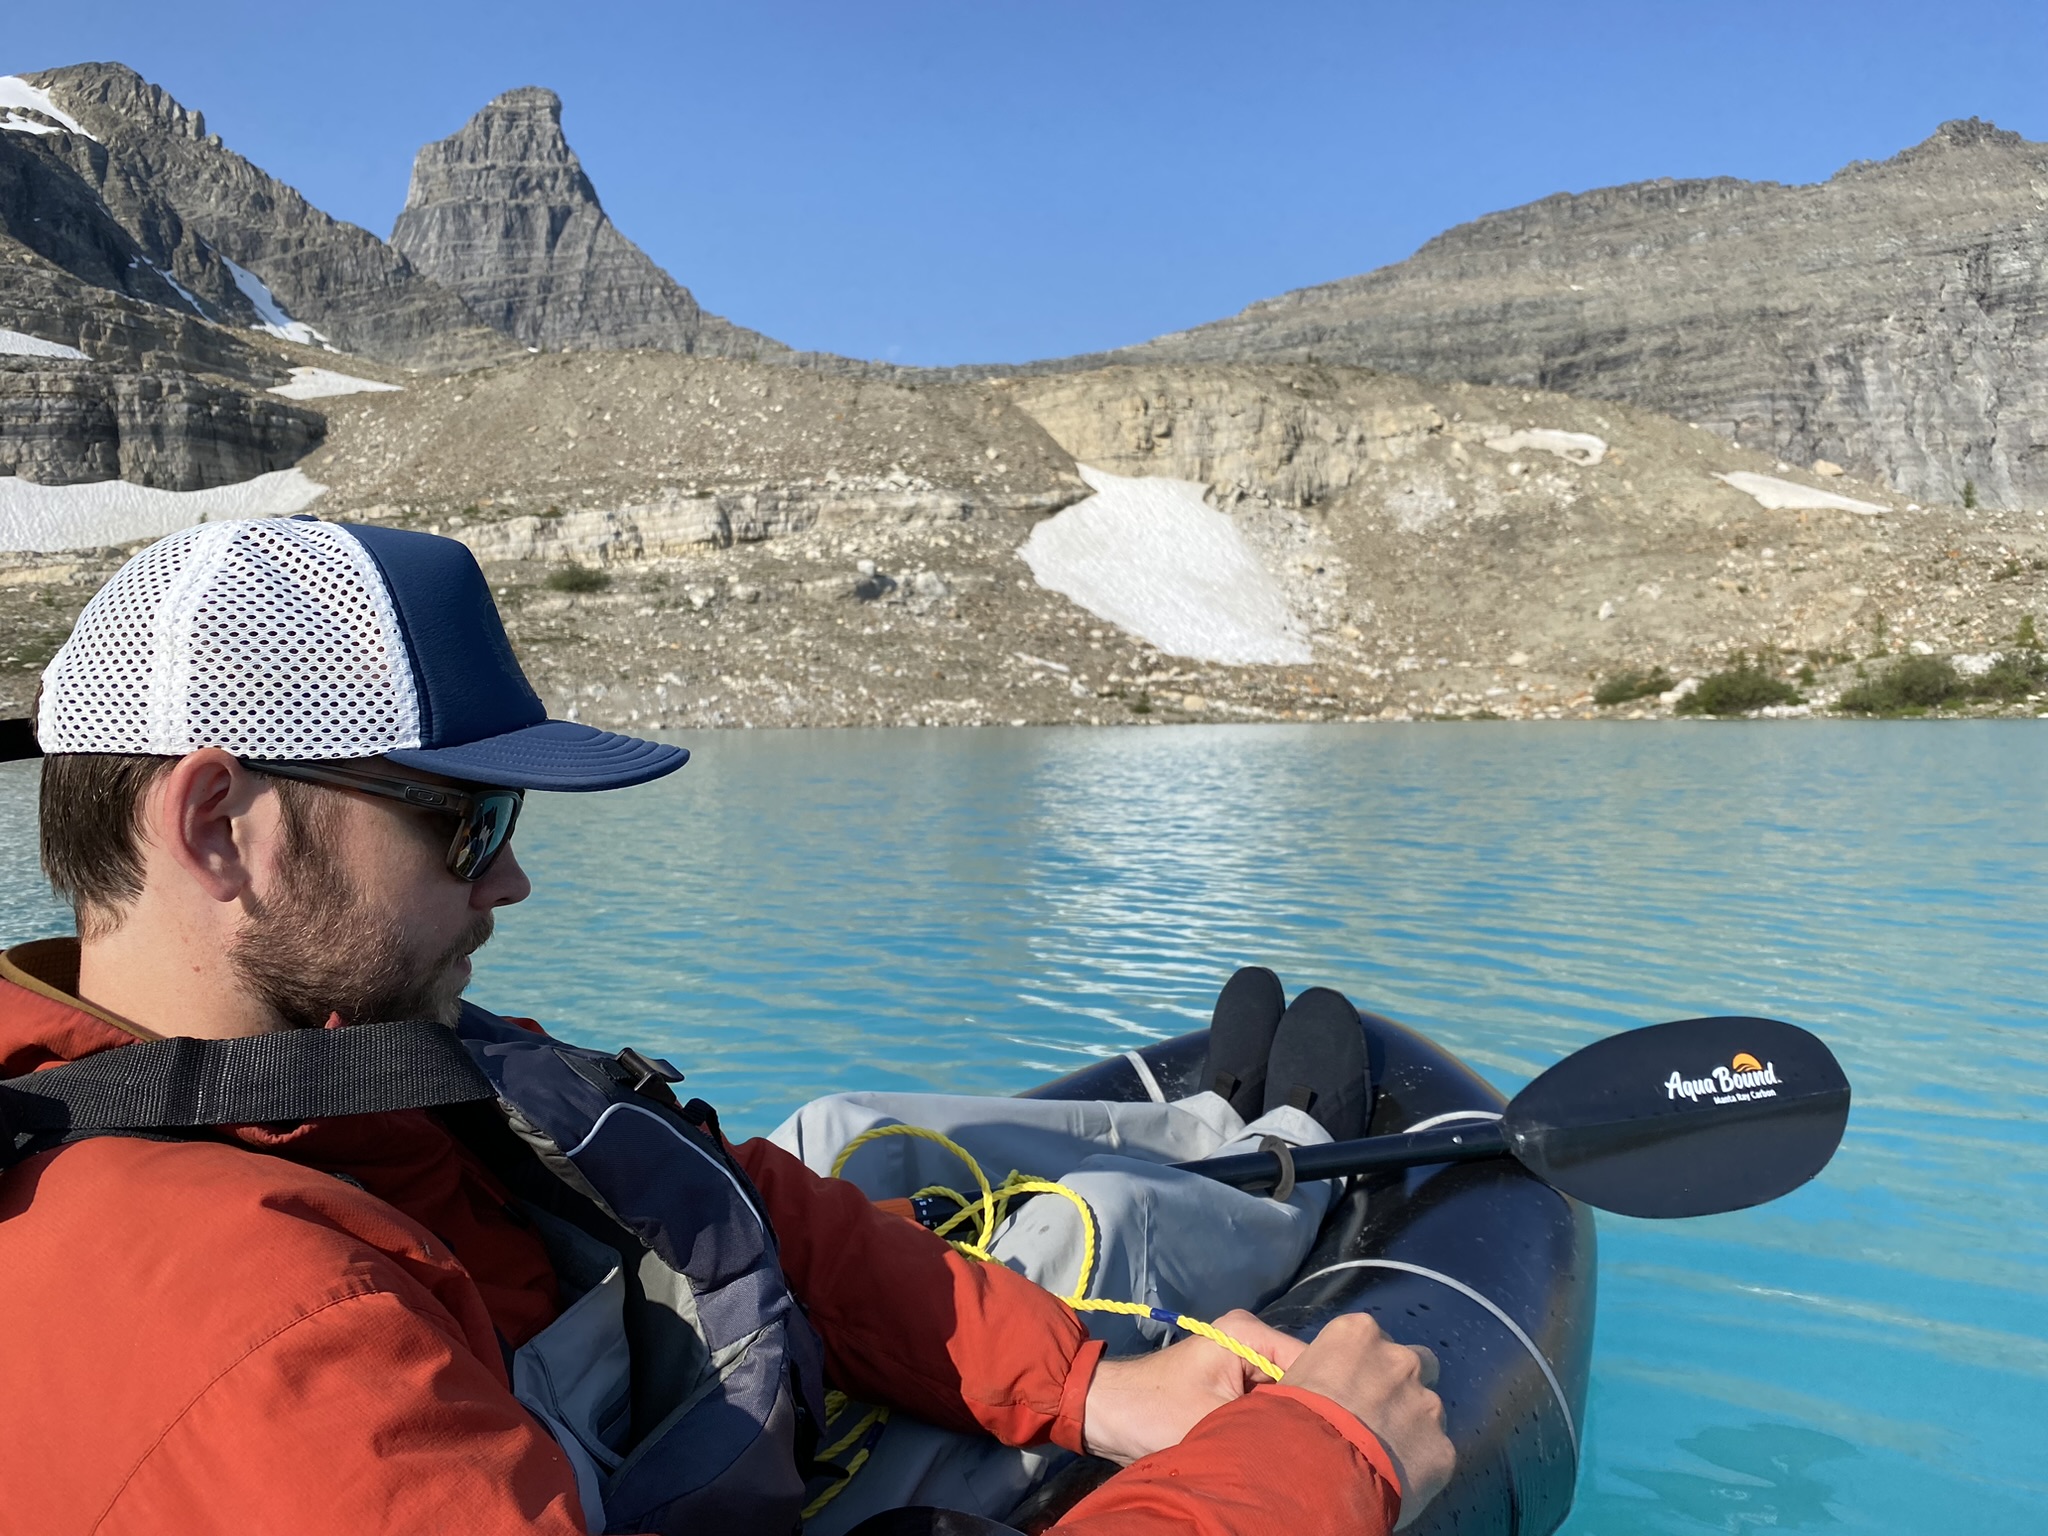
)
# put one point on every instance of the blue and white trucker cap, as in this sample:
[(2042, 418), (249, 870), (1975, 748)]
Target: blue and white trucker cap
[(290, 638)]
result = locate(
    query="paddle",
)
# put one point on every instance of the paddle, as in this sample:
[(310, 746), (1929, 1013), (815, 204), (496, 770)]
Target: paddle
[(1682, 1119)]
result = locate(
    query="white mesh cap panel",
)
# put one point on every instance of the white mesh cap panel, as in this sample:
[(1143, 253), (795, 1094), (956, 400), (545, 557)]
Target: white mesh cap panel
[(97, 689), (271, 638)]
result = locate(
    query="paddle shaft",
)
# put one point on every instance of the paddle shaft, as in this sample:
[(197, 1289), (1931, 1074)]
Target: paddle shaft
[(1467, 1141)]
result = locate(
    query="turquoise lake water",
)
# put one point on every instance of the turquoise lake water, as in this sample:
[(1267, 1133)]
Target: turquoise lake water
[(802, 912)]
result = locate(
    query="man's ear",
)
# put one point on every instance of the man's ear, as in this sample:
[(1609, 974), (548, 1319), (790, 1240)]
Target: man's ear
[(215, 820)]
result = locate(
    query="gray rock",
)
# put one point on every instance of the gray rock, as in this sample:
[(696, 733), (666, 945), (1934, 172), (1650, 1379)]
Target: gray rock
[(502, 214), (1893, 318), (62, 423), (873, 584)]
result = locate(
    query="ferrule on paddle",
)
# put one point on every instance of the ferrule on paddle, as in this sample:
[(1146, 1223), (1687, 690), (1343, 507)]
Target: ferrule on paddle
[(1682, 1119)]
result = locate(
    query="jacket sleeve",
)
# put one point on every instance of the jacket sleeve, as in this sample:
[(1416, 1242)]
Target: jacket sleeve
[(1277, 1462), (367, 1414), (910, 1324)]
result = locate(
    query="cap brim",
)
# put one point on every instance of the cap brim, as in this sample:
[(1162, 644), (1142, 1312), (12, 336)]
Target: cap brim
[(556, 754)]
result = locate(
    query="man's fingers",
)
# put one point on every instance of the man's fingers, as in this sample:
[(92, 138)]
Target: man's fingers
[(1390, 1386), (1430, 1364), (1356, 1329), (1283, 1349)]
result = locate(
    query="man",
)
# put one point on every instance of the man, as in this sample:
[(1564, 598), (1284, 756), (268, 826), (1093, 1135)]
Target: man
[(285, 760)]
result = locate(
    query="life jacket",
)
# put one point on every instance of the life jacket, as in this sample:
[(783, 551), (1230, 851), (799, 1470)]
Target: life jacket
[(682, 1379)]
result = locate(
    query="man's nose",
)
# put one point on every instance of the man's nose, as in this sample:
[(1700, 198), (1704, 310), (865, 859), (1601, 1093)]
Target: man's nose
[(504, 884)]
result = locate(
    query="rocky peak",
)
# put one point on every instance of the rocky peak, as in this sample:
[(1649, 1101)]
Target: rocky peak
[(514, 146), (1962, 133), (221, 238), (1967, 132), (111, 98), (502, 213)]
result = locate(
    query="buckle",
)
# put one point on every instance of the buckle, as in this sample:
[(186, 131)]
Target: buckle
[(648, 1076), (643, 1072)]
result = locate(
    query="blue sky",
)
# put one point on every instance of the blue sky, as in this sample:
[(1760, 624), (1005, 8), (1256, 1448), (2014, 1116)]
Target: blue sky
[(953, 182)]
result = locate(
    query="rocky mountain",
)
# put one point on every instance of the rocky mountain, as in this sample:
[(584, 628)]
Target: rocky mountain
[(681, 542), (1893, 318), (689, 525), (155, 394), (235, 244), (502, 214), (190, 279)]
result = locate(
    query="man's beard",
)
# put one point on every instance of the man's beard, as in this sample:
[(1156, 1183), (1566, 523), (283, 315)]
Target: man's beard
[(319, 948)]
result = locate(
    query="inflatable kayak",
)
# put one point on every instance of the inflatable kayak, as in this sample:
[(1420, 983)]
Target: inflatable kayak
[(1486, 1265)]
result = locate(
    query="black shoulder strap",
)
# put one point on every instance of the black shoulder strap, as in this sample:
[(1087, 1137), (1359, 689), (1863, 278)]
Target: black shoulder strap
[(293, 1074)]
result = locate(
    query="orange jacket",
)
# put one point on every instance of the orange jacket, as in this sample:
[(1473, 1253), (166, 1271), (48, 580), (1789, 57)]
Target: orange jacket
[(299, 1330)]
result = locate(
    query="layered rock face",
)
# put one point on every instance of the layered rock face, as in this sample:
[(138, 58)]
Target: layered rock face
[(192, 206), (171, 400), (1893, 318), (502, 214), (43, 299), (62, 423), (49, 208)]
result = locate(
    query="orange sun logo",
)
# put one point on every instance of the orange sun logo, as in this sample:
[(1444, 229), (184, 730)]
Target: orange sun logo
[(1744, 1062)]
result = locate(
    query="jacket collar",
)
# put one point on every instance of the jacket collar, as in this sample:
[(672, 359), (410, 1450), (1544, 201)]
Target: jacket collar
[(42, 1019)]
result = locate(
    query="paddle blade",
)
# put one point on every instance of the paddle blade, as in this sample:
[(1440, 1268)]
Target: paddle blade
[(1684, 1119), (18, 740)]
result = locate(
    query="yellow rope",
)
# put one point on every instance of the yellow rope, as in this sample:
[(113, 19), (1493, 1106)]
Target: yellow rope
[(989, 1211), (993, 1206), (845, 1442), (872, 1419), (988, 1217)]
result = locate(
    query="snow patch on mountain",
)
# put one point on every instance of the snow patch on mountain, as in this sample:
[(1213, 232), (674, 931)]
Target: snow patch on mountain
[(1578, 447), (111, 512), (20, 344), (1155, 559), (18, 96), (183, 292), (1777, 495), (274, 319), (321, 383)]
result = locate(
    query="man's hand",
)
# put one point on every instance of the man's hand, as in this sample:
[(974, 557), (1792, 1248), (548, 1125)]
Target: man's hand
[(1387, 1386), (1144, 1404)]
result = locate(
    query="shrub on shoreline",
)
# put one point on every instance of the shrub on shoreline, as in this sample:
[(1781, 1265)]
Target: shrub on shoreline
[(1627, 687), (1742, 688), (1915, 684), (2012, 677), (1909, 685)]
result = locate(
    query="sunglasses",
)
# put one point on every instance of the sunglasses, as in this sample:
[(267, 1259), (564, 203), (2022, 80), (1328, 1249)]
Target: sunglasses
[(484, 817)]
